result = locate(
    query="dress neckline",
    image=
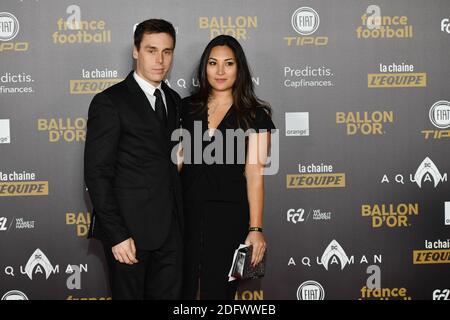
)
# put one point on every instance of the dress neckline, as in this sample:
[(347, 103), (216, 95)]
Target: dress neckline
[(213, 130)]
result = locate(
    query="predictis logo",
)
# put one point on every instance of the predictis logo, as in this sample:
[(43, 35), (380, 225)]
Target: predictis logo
[(16, 83)]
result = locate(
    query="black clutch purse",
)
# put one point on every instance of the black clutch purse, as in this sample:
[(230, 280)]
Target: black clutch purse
[(241, 267)]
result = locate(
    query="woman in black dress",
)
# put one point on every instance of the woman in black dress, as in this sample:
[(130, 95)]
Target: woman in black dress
[(222, 175)]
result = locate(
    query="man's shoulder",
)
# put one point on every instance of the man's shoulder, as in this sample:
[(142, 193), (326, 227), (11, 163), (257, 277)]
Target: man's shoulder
[(112, 93), (118, 88)]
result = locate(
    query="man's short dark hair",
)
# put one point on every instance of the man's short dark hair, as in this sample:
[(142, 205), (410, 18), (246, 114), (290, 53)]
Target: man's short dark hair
[(153, 26)]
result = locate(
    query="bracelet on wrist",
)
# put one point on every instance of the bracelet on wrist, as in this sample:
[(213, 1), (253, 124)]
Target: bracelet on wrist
[(258, 229)]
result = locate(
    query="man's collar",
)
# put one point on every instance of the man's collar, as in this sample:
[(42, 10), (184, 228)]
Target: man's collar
[(146, 86)]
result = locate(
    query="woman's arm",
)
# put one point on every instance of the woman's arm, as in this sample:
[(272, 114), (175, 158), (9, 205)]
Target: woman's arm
[(258, 146), (180, 157)]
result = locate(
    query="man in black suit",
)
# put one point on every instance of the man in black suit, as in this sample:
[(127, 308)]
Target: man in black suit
[(132, 182)]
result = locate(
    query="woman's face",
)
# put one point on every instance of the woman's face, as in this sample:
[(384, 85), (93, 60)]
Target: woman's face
[(221, 69)]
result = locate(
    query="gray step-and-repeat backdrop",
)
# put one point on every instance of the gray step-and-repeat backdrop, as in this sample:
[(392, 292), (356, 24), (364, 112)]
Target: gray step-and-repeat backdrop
[(359, 207)]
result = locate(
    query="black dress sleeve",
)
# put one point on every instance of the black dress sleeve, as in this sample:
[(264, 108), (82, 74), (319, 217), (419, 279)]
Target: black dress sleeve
[(262, 121)]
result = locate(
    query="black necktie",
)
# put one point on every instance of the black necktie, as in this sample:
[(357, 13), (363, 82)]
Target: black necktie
[(160, 109)]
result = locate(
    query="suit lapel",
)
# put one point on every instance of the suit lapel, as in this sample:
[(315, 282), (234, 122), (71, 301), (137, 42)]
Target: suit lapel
[(172, 109), (140, 100)]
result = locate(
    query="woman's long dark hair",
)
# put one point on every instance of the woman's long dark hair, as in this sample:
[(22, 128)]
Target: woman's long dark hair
[(245, 100)]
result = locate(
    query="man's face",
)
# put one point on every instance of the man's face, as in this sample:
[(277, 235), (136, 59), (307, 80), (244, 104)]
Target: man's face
[(154, 57)]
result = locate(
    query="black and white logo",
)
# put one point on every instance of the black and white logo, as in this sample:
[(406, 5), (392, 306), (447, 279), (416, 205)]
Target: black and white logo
[(310, 290), (9, 26), (5, 135), (305, 21), (445, 25), (38, 261), (14, 295), (301, 215), (3, 221), (428, 170), (297, 124), (334, 253), (443, 294), (440, 114), (296, 215)]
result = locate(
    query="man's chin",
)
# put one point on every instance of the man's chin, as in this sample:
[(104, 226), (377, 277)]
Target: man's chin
[(155, 79)]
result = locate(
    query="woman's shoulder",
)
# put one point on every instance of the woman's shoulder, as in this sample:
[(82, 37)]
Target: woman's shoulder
[(262, 112), (189, 107), (187, 103), (262, 119)]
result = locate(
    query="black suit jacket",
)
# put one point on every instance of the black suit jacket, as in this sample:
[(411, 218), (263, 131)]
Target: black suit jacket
[(132, 182)]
